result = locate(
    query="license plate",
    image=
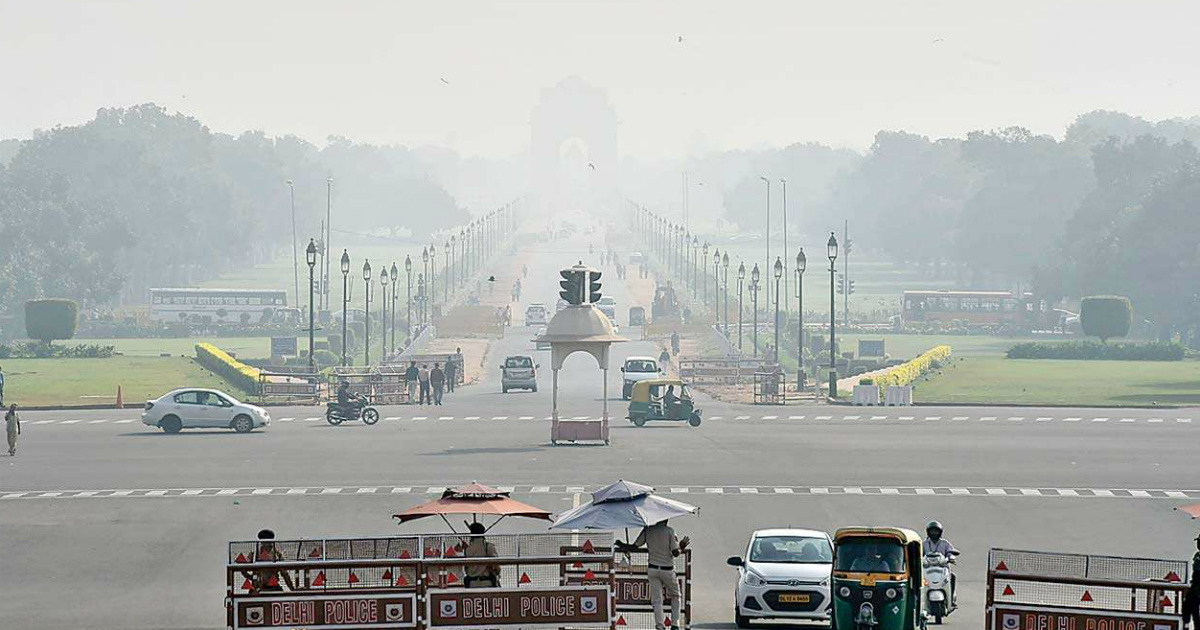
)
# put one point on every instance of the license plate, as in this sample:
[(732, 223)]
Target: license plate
[(795, 598)]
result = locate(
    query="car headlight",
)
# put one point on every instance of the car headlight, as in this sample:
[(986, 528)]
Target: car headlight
[(754, 579), (890, 593), (844, 591)]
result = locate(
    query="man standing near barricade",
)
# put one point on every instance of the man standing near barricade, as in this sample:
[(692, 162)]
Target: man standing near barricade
[(423, 382), (662, 546), (410, 379), (1191, 599), (451, 373), (437, 380)]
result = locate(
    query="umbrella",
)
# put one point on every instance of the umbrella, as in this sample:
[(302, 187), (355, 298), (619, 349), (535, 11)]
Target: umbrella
[(621, 506), (475, 499), (1191, 510)]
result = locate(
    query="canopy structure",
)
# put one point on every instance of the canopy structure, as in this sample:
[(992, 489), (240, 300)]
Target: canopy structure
[(475, 499), (623, 505)]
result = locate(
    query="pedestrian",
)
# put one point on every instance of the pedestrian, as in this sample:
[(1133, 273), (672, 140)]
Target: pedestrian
[(12, 428), (661, 546), (451, 373), (423, 378), (410, 379), (437, 380), (1, 387), (675, 342), (1191, 599)]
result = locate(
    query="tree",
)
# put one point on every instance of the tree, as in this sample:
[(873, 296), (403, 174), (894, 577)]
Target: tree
[(47, 320), (1105, 316)]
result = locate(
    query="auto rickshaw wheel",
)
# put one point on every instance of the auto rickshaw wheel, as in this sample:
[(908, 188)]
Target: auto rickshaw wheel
[(694, 421), (639, 422)]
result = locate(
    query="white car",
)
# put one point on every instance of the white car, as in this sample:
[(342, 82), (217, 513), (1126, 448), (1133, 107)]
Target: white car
[(535, 314), (638, 369), (541, 345), (195, 408), (608, 306), (784, 575)]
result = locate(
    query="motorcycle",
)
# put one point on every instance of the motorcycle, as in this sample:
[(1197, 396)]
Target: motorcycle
[(356, 409), (939, 596)]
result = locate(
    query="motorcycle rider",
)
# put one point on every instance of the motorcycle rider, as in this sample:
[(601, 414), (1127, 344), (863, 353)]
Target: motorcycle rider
[(343, 392), (936, 544)]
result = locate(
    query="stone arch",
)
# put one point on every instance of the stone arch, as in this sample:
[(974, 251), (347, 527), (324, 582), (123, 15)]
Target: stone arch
[(573, 118)]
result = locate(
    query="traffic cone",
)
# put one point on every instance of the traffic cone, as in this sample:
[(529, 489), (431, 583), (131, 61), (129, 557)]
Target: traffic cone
[(120, 399)]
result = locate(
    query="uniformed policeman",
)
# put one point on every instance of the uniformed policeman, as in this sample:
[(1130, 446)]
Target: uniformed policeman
[(1191, 599)]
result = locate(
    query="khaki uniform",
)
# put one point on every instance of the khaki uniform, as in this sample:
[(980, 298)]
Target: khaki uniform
[(481, 575), (663, 545)]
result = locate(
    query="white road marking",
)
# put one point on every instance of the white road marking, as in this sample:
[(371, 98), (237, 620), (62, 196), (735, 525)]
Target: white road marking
[(925, 491), (420, 417), (1102, 493), (392, 418), (286, 419), (824, 417), (906, 417), (1044, 418), (1016, 419), (748, 490), (933, 418), (783, 491), (191, 492), (401, 490), (525, 418), (819, 490), (959, 491), (127, 421), (996, 491), (1154, 420), (261, 491), (540, 489), (1175, 494), (879, 417), (716, 418), (580, 418), (679, 490), (795, 417), (1067, 492), (1128, 420), (101, 421), (851, 417), (499, 417), (445, 417), (987, 419), (714, 490), (69, 422), (1183, 419), (1072, 419), (125, 493), (365, 491), (852, 490), (13, 495), (331, 491), (1099, 419), (1031, 492), (742, 418), (312, 419), (889, 491), (42, 422), (156, 493), (297, 490), (471, 418), (770, 417), (1140, 494), (958, 418)]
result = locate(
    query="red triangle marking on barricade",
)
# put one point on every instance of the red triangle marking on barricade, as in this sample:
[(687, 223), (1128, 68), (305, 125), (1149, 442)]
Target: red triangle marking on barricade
[(667, 622), (589, 575), (577, 565), (432, 553), (1166, 602), (387, 575), (400, 581), (319, 580), (1173, 577), (450, 553), (1008, 591), (621, 620), (353, 578), (587, 546), (1087, 597), (263, 554), (524, 579), (315, 553), (450, 579), (247, 586), (241, 559), (273, 582), (405, 555), (1001, 566)]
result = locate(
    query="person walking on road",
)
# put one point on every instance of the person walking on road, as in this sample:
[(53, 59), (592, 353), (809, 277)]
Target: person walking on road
[(1, 387), (451, 373), (1191, 599), (662, 546), (12, 428), (437, 380), (410, 379), (423, 378), (675, 342)]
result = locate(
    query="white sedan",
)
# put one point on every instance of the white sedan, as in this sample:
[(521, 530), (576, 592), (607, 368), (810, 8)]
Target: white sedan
[(784, 575), (194, 408)]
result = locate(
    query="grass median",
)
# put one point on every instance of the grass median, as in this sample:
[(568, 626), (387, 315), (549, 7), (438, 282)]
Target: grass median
[(84, 382), (995, 380)]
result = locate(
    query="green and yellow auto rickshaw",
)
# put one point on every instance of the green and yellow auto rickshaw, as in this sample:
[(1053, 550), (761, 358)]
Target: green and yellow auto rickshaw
[(662, 399), (877, 579)]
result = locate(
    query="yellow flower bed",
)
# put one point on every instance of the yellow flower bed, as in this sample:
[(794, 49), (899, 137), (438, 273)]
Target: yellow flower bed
[(236, 372), (906, 373)]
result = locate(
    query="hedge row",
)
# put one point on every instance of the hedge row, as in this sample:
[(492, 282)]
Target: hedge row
[(38, 350), (218, 361), (1094, 351), (906, 373)]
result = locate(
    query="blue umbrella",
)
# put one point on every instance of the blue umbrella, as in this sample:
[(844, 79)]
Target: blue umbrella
[(621, 506)]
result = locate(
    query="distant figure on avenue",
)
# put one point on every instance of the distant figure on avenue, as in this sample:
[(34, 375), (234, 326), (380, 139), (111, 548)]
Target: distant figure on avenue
[(1191, 599), (423, 378), (451, 374), (662, 546), (12, 428), (411, 376), (437, 380), (480, 575), (664, 358), (675, 342), (1, 387)]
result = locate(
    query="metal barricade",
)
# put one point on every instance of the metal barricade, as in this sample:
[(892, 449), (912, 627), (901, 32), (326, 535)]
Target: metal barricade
[(768, 387), (382, 385), (287, 388)]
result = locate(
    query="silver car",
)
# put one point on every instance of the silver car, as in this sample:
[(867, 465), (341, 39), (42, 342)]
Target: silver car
[(518, 372), (194, 408)]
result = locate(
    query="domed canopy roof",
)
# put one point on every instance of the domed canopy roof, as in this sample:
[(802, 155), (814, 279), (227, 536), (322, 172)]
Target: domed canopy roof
[(580, 323)]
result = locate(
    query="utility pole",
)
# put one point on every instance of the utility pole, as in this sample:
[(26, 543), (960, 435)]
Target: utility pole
[(846, 273)]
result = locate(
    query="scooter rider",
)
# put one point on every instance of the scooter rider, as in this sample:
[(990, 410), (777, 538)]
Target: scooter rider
[(936, 544)]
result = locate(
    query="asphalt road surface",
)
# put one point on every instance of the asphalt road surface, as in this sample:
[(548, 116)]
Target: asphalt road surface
[(105, 523)]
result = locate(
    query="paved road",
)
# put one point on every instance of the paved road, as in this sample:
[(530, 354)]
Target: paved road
[(105, 523)]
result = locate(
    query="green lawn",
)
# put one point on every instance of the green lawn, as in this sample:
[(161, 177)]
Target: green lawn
[(95, 381), (909, 346), (983, 379), (243, 347)]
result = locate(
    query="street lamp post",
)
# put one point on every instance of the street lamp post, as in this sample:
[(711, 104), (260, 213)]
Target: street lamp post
[(408, 290), (462, 256), (345, 299), (432, 278), (395, 278), (778, 275), (801, 263), (754, 275), (367, 311), (725, 265), (695, 265), (295, 256), (383, 318), (446, 274), (768, 230), (420, 282), (783, 184), (310, 256), (328, 234), (703, 264), (741, 278), (717, 284), (831, 249)]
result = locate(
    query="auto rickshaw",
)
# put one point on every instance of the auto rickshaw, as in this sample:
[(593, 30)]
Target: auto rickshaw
[(662, 399), (877, 579), (637, 316)]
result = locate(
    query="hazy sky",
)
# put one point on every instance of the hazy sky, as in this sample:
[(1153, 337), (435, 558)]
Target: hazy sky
[(746, 74)]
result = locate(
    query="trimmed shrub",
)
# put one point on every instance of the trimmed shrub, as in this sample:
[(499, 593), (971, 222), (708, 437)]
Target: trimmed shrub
[(1093, 351), (1105, 316), (906, 373), (219, 362), (47, 320), (325, 358)]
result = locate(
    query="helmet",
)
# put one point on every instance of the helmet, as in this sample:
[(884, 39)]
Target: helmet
[(934, 525)]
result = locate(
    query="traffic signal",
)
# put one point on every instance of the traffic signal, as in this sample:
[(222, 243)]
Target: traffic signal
[(572, 286), (846, 246), (841, 284), (593, 286), (850, 288)]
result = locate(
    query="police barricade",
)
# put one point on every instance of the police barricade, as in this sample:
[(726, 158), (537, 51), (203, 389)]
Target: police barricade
[(631, 586), (721, 370), (382, 385), (1032, 590), (279, 387), (417, 582)]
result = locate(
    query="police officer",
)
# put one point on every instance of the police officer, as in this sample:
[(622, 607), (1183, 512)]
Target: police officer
[(1191, 599)]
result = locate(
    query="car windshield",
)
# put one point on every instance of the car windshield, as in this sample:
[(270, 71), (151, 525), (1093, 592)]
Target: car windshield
[(518, 362), (641, 366), (870, 555), (791, 550)]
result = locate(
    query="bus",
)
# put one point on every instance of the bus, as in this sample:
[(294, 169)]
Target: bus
[(234, 306), (976, 307)]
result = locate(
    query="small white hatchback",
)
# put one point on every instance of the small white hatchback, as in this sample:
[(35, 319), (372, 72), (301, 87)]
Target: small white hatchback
[(785, 574)]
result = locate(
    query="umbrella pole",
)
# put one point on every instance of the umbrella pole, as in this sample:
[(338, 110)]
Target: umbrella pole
[(448, 523), (494, 524)]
